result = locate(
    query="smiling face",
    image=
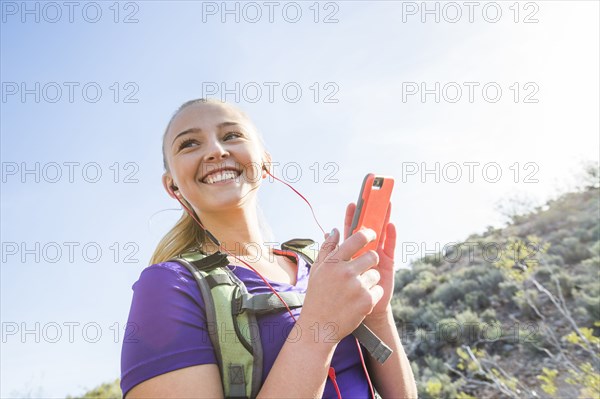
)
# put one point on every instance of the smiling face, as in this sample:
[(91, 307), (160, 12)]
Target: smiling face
[(214, 157)]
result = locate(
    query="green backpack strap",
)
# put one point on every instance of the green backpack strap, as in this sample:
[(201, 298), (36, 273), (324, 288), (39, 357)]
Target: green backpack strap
[(301, 246), (233, 335)]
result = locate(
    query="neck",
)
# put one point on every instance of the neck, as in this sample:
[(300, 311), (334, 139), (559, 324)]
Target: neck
[(237, 230)]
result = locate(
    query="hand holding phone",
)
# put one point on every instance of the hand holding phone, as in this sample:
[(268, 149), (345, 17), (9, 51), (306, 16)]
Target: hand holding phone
[(371, 208), (371, 211)]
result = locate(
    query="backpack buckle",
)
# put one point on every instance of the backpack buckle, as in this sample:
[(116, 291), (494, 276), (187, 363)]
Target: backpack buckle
[(237, 302), (218, 259)]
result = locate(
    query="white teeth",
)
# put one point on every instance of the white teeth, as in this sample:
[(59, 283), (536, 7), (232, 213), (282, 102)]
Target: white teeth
[(220, 176)]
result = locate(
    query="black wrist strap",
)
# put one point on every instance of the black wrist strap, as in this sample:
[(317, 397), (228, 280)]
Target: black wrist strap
[(372, 343)]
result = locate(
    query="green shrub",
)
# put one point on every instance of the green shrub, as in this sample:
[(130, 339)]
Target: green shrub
[(403, 314), (572, 250), (489, 316), (508, 289), (402, 278), (590, 303), (526, 310), (417, 289), (489, 281), (477, 300), (110, 390), (429, 315), (453, 290), (566, 284), (436, 385), (471, 326), (434, 260)]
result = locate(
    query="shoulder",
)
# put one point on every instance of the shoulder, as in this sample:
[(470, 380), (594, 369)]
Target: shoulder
[(167, 327), (167, 292), (164, 277), (170, 270), (164, 287)]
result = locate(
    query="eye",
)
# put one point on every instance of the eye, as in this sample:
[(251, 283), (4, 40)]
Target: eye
[(187, 143), (232, 135)]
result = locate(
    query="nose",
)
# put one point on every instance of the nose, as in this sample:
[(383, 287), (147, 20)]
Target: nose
[(215, 150)]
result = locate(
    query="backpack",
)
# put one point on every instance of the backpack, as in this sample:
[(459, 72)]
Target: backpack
[(230, 308)]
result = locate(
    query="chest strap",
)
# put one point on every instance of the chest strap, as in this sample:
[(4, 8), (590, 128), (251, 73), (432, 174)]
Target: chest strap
[(264, 303), (257, 303)]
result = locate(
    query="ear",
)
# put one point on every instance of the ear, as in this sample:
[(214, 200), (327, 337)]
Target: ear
[(267, 159), (168, 183)]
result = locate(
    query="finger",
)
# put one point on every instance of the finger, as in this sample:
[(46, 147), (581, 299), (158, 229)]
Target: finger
[(364, 262), (350, 209), (329, 245), (376, 294), (354, 243), (383, 233), (370, 278), (389, 247)]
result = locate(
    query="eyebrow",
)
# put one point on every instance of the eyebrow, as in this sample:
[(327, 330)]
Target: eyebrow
[(198, 130)]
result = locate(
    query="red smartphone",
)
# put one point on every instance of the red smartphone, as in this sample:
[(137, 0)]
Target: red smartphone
[(371, 207)]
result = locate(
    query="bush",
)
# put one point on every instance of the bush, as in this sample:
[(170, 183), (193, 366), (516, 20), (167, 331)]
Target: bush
[(418, 289), (403, 314), (489, 316), (571, 250), (508, 289), (471, 326), (402, 278), (453, 290), (434, 260), (490, 280), (521, 302), (429, 316), (110, 390), (589, 303), (433, 380), (477, 300), (566, 284)]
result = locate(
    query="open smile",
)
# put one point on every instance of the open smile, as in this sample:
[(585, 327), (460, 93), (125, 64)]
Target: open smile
[(223, 176)]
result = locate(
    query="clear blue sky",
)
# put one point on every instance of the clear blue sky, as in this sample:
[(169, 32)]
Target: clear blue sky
[(351, 96)]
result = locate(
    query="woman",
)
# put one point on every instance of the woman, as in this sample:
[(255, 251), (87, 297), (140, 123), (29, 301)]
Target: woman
[(214, 160)]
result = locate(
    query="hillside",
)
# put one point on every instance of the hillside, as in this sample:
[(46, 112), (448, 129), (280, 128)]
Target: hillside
[(479, 319), (489, 315)]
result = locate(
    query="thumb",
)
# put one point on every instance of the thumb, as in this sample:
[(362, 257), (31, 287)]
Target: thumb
[(329, 245)]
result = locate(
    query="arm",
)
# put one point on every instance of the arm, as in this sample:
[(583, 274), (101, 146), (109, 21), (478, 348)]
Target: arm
[(394, 378), (305, 358), (335, 283), (202, 381)]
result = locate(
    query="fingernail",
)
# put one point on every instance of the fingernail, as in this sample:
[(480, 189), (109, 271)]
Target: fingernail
[(371, 234), (332, 232)]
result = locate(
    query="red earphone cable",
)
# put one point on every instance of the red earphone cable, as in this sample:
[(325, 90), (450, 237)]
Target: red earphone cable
[(364, 365), (301, 196)]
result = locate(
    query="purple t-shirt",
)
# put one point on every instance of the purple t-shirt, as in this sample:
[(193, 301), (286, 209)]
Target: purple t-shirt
[(167, 329)]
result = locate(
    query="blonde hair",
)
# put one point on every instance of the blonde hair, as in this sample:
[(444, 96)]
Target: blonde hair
[(187, 235)]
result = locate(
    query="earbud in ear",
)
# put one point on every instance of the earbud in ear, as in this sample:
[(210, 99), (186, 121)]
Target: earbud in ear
[(175, 190)]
